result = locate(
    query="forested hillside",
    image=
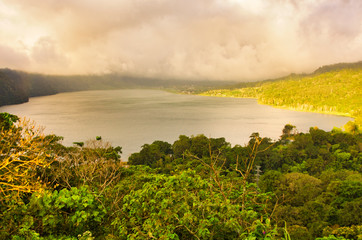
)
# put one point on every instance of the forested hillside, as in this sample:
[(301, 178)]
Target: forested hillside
[(334, 89), (13, 88), (303, 186)]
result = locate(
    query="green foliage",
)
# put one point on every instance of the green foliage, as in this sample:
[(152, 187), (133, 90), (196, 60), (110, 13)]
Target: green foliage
[(7, 120), (336, 232), (331, 237), (352, 127), (195, 188), (186, 206), (299, 188), (153, 155), (79, 144), (311, 197), (299, 232), (333, 92), (262, 230), (270, 181), (58, 214)]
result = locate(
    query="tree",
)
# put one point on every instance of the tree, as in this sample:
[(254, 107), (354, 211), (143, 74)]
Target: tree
[(270, 180), (96, 165), (180, 146), (58, 215), (7, 120), (185, 206), (299, 188), (351, 127), (151, 154), (23, 151), (288, 131)]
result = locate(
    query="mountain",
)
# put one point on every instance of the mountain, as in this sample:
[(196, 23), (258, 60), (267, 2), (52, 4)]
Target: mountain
[(13, 88), (332, 89)]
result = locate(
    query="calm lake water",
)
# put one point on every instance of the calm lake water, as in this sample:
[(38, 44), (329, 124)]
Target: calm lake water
[(131, 118)]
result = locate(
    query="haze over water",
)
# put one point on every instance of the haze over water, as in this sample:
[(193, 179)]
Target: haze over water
[(131, 118)]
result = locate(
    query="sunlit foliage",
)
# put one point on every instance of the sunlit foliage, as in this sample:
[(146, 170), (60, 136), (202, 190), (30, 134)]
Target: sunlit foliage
[(334, 92), (23, 152)]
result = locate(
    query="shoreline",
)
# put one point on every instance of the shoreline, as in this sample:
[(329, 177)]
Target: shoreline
[(174, 91), (284, 107)]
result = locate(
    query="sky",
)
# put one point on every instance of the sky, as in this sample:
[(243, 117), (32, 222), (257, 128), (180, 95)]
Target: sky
[(234, 40)]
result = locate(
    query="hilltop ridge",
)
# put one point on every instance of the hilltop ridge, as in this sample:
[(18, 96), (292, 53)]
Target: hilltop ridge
[(332, 89)]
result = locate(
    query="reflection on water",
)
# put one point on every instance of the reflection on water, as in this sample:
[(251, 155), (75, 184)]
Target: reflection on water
[(131, 118)]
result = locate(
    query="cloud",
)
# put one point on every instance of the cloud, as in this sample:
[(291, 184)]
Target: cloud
[(44, 51), (337, 18), (333, 31), (12, 59), (204, 39), (45, 54)]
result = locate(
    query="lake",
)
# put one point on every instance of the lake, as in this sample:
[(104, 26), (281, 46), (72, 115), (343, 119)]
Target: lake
[(131, 118)]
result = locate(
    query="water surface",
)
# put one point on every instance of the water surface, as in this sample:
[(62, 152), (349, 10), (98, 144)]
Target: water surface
[(131, 118)]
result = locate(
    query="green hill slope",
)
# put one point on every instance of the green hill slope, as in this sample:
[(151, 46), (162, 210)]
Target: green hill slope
[(330, 89)]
